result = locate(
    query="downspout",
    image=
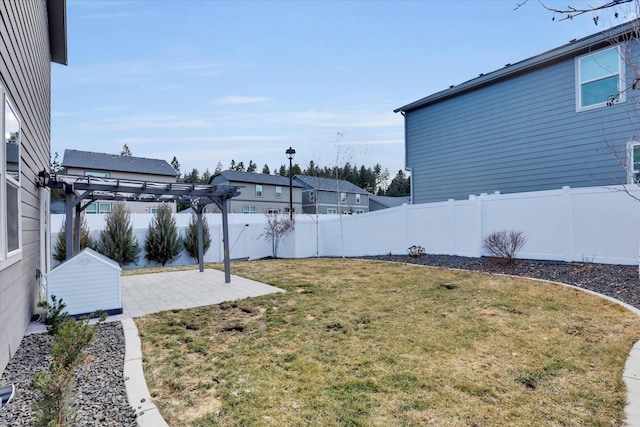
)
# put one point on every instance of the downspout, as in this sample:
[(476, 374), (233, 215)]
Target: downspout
[(406, 165)]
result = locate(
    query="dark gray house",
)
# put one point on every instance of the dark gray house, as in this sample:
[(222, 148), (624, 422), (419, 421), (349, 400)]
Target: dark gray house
[(103, 165), (259, 193), (332, 196), (562, 118), (33, 35)]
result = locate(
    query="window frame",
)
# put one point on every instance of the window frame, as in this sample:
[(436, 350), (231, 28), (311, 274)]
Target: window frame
[(249, 209), (633, 174), (332, 211), (358, 198), (359, 211), (10, 256), (343, 197), (278, 194), (312, 196), (259, 191), (621, 95)]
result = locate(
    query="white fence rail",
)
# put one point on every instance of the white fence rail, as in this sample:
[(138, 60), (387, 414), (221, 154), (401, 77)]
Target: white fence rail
[(599, 224)]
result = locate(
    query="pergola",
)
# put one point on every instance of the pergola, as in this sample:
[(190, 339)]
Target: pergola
[(81, 191)]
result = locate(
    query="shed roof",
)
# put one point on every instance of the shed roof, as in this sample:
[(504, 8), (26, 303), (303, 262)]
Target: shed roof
[(253, 178), (87, 254), (571, 49), (330, 184), (116, 163)]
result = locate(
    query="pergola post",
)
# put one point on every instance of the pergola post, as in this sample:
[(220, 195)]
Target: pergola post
[(76, 229), (225, 241), (68, 223), (200, 238)]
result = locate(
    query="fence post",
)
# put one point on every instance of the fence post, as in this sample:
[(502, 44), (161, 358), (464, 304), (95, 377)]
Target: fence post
[(452, 229), (568, 209)]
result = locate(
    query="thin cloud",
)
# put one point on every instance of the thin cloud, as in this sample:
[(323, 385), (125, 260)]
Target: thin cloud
[(241, 100)]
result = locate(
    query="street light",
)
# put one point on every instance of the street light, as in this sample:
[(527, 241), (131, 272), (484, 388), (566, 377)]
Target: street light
[(290, 153)]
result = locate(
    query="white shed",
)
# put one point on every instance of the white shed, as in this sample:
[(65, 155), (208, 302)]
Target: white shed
[(87, 282)]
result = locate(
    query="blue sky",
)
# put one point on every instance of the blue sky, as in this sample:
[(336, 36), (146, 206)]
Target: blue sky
[(210, 81)]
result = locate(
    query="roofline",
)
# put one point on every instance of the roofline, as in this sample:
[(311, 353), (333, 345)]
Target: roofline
[(511, 70), (57, 17), (246, 181)]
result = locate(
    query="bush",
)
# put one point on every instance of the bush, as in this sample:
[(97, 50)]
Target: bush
[(191, 237), (55, 406), (56, 315), (60, 250), (278, 226), (117, 240), (504, 244), (163, 242), (416, 251)]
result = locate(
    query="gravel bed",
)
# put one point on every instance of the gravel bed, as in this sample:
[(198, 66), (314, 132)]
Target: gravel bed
[(617, 281), (102, 397)]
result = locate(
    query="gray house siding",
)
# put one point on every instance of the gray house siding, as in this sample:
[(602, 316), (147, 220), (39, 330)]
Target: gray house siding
[(326, 193), (516, 135), (25, 77)]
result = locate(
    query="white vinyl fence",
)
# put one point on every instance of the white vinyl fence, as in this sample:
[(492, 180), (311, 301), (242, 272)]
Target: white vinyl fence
[(599, 224)]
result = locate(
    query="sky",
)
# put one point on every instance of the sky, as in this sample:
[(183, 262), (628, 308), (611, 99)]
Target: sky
[(210, 81)]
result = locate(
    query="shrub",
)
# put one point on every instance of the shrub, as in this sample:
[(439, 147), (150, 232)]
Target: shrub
[(55, 406), (416, 251), (163, 242), (117, 240), (504, 244), (56, 315), (191, 237), (60, 250)]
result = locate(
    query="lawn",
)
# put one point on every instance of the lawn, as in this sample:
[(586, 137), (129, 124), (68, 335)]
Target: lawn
[(379, 344)]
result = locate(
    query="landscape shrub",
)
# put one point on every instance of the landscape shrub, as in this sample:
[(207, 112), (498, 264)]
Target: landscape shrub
[(277, 227), (86, 241), (116, 239), (504, 244), (163, 242), (55, 406), (191, 237), (56, 315)]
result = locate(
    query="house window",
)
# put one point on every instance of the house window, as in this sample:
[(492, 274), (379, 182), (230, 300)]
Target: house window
[(312, 196), (278, 192), (273, 211), (343, 197), (153, 210), (101, 207), (332, 211), (599, 79), (10, 185), (248, 209), (358, 199), (633, 158), (359, 211), (97, 174), (258, 190)]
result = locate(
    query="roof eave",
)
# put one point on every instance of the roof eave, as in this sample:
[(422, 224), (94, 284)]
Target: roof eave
[(57, 16), (569, 49)]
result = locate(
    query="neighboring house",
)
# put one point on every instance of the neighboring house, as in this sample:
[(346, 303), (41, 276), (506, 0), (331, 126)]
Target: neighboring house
[(259, 193), (332, 196), (384, 202), (102, 165), (33, 35), (562, 118)]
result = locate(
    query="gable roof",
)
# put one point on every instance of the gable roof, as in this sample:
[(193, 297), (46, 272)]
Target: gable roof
[(572, 49), (254, 178), (390, 202), (116, 163), (330, 184)]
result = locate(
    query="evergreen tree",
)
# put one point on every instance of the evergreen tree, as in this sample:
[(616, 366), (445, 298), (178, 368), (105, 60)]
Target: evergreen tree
[(192, 177), (125, 151), (218, 168), (163, 242), (282, 171), (116, 239), (206, 176), (400, 185), (252, 166), (191, 237), (240, 167), (265, 170), (232, 165), (60, 250)]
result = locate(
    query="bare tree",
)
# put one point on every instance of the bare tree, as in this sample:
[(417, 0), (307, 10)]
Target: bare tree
[(276, 229)]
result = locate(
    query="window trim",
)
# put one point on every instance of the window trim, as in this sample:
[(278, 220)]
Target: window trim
[(8, 257), (332, 211), (621, 80), (630, 161), (312, 196), (278, 195), (259, 191), (359, 211), (249, 209), (343, 197), (357, 198)]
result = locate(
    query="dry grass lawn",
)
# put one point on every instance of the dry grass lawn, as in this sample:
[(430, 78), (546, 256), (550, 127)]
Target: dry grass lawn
[(376, 344)]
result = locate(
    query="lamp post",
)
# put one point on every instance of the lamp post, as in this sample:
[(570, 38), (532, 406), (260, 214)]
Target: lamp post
[(290, 153)]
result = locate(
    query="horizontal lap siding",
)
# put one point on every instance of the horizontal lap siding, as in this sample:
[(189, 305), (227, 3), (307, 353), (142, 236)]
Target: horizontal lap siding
[(25, 76), (522, 134)]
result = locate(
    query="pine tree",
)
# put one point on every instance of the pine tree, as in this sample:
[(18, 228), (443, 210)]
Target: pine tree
[(266, 170), (60, 250), (191, 237), (252, 166), (175, 164), (116, 239), (218, 168), (125, 151), (163, 242)]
